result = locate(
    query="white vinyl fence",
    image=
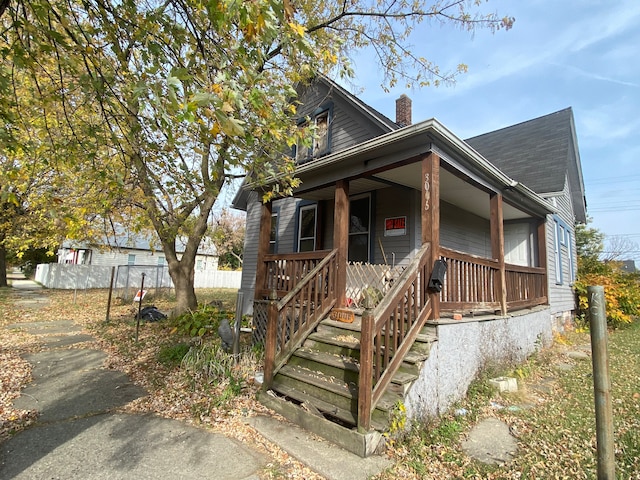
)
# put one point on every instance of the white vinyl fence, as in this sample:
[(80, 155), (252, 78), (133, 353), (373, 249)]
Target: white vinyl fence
[(70, 277)]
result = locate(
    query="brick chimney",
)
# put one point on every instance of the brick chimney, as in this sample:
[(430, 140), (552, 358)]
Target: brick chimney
[(403, 111)]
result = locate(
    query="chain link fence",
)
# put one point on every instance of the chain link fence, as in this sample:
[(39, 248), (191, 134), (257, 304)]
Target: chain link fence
[(128, 280)]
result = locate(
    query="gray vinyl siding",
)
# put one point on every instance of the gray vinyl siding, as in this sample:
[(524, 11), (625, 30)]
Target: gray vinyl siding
[(250, 256), (285, 240), (286, 233), (464, 231), (350, 127), (561, 296)]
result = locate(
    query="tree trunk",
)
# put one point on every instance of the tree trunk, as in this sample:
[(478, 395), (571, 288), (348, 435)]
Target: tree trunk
[(182, 273), (3, 267)]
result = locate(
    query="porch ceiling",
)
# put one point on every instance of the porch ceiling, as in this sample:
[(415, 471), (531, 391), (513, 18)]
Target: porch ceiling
[(453, 190)]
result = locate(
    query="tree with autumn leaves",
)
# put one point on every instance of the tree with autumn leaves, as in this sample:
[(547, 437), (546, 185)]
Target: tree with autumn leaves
[(175, 98), (622, 289)]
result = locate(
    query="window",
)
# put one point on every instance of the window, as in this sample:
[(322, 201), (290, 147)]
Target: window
[(273, 236), (321, 138), (307, 228), (359, 228), (160, 261), (320, 126), (131, 259), (563, 249)]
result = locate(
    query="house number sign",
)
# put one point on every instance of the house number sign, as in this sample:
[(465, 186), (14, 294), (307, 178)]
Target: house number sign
[(395, 226), (427, 188)]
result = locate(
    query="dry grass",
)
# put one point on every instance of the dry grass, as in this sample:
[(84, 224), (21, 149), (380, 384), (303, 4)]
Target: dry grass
[(172, 393), (552, 415)]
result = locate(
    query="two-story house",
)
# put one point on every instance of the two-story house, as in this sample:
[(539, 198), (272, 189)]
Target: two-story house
[(406, 260)]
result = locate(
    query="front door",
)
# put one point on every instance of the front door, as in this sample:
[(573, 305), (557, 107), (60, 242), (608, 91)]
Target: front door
[(517, 244)]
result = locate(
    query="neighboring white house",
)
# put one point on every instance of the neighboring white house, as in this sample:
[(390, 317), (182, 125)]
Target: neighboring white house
[(84, 265), (125, 250)]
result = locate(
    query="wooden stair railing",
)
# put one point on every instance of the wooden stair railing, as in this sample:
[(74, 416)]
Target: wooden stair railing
[(285, 270), (389, 331), (295, 316)]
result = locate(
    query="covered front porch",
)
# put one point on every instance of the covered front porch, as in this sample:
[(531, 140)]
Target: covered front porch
[(390, 301)]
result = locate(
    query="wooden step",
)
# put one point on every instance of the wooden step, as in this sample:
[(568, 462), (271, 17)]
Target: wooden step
[(344, 367), (317, 406), (350, 439), (355, 326), (340, 366), (338, 344), (323, 387)]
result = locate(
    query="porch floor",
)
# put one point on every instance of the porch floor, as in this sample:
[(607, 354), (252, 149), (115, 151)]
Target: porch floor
[(446, 318)]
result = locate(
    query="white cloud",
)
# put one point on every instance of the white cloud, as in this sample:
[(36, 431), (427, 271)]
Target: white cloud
[(596, 76), (548, 35), (611, 122)]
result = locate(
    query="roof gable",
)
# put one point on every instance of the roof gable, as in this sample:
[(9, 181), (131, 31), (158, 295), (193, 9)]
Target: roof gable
[(374, 115)]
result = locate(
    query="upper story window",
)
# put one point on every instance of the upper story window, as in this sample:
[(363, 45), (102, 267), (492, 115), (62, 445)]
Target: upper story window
[(319, 123)]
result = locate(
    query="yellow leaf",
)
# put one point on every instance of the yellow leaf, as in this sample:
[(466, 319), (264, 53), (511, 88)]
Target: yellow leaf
[(299, 29)]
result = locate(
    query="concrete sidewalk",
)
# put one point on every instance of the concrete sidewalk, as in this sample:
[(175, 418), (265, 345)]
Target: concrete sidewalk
[(78, 434)]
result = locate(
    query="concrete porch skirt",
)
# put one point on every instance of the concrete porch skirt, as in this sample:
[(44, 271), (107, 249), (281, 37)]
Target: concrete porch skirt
[(466, 346)]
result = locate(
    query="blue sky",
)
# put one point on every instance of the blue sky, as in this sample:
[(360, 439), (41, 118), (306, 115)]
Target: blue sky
[(583, 54)]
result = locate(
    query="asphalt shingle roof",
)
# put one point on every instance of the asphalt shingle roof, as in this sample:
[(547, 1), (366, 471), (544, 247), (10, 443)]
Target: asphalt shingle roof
[(536, 152), (541, 153)]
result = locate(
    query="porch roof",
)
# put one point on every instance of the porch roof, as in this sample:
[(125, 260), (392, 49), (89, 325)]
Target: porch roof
[(393, 159)]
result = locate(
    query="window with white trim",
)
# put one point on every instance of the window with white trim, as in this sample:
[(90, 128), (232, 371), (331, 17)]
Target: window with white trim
[(273, 236), (360, 229), (319, 124), (572, 271), (307, 221), (562, 245), (558, 252)]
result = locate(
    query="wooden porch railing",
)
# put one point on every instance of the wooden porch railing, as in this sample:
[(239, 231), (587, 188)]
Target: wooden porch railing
[(284, 271), (526, 286), (389, 331), (471, 283), (290, 320)]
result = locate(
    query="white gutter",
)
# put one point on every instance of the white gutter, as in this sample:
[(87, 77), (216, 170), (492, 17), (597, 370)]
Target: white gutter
[(426, 127)]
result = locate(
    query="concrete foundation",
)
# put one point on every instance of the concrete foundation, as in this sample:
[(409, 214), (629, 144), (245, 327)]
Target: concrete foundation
[(466, 346)]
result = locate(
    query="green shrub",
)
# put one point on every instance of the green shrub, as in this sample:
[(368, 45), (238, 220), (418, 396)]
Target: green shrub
[(200, 322), (621, 292), (208, 362)]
